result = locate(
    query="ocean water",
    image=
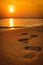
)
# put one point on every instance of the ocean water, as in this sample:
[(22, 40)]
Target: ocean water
[(11, 22)]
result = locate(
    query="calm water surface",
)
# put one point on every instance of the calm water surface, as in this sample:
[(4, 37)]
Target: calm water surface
[(20, 22)]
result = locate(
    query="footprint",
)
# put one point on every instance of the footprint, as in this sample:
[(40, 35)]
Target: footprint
[(25, 40), (29, 55), (32, 36), (24, 33), (33, 48)]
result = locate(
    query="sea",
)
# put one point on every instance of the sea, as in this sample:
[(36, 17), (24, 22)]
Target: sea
[(19, 23)]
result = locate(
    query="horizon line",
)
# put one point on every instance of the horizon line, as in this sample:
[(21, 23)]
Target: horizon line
[(22, 17)]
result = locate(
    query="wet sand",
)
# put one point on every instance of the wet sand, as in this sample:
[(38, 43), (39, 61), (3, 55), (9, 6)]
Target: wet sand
[(21, 46)]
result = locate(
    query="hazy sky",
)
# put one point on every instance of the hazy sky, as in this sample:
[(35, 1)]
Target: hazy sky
[(22, 8)]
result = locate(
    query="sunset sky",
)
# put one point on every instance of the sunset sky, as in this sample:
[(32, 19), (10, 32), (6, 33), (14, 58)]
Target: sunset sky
[(21, 8)]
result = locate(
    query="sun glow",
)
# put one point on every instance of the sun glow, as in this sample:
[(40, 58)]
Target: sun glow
[(11, 8)]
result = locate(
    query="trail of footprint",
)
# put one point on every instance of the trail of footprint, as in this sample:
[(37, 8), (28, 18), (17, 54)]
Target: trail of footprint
[(33, 52), (25, 40), (31, 35)]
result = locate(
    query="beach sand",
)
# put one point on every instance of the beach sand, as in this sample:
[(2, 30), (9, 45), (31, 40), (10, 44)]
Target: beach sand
[(22, 46)]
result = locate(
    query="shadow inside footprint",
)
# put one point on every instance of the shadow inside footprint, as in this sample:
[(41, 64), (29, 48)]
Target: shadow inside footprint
[(32, 36), (25, 40), (33, 48), (24, 33), (29, 55)]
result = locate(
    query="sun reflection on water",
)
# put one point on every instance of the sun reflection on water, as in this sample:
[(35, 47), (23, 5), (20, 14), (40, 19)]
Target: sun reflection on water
[(11, 23)]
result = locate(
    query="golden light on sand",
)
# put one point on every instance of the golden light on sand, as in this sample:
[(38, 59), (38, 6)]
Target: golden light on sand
[(11, 8)]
